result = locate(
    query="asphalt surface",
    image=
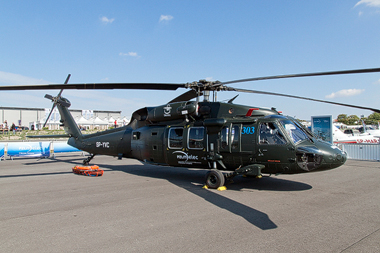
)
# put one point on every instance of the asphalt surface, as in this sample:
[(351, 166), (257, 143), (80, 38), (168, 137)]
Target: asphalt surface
[(44, 207)]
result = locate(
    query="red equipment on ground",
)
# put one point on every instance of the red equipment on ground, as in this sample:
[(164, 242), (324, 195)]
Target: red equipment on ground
[(93, 171)]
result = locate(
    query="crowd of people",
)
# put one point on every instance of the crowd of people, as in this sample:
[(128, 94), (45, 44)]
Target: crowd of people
[(4, 128)]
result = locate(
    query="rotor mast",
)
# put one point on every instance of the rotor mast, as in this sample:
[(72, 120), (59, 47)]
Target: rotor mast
[(205, 87)]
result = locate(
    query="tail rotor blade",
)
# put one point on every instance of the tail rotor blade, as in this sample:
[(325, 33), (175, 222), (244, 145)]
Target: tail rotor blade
[(59, 94), (67, 79), (48, 96), (51, 111)]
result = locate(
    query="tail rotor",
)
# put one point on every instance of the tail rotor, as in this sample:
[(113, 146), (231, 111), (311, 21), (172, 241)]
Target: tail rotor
[(58, 100)]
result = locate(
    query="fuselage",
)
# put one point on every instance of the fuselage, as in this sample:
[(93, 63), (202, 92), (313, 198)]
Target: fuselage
[(215, 135)]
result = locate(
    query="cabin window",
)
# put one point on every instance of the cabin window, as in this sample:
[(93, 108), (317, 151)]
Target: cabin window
[(196, 136), (235, 134), (230, 136), (270, 134), (224, 137), (176, 137)]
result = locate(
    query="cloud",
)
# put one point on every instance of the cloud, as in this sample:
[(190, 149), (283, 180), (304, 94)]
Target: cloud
[(164, 18), (106, 20), (372, 3), (16, 79), (345, 93), (132, 54)]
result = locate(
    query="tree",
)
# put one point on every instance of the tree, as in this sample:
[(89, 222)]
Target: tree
[(342, 118), (373, 118), (353, 120)]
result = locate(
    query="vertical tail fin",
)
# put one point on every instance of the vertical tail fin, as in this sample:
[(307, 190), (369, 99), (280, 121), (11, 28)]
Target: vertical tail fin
[(68, 122)]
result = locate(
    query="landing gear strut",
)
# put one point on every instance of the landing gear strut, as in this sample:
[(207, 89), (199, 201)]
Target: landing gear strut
[(88, 159)]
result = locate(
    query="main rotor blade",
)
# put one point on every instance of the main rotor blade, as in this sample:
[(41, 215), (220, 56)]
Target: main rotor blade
[(305, 98), (185, 96), (343, 72), (98, 86)]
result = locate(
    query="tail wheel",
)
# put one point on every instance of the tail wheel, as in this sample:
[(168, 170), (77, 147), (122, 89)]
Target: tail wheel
[(214, 179)]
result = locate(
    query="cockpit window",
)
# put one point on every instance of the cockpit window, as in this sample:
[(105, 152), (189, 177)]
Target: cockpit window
[(305, 130), (295, 133), (270, 134)]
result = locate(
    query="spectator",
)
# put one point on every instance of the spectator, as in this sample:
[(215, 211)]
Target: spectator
[(13, 128), (5, 127)]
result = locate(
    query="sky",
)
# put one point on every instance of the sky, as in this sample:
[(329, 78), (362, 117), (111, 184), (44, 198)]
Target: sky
[(184, 41)]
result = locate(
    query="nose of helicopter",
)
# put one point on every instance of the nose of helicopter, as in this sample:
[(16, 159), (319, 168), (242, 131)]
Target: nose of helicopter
[(333, 156), (336, 157), (320, 157)]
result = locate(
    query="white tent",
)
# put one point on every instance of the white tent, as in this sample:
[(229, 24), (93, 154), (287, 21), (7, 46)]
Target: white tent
[(111, 121), (82, 122), (53, 124), (100, 124)]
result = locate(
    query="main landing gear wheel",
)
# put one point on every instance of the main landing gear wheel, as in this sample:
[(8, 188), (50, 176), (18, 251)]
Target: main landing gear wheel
[(214, 179)]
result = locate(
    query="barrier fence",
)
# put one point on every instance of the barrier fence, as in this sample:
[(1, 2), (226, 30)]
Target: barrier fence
[(362, 151), (34, 149)]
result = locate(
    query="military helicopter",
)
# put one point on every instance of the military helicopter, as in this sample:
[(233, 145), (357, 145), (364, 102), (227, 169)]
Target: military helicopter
[(225, 138)]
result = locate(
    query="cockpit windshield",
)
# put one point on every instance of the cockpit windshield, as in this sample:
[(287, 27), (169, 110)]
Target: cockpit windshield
[(295, 132)]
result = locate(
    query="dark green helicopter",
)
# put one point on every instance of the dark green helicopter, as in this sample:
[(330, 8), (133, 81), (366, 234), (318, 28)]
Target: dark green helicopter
[(237, 139)]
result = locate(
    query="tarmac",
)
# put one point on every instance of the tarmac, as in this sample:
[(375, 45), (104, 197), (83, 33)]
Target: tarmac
[(144, 208)]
